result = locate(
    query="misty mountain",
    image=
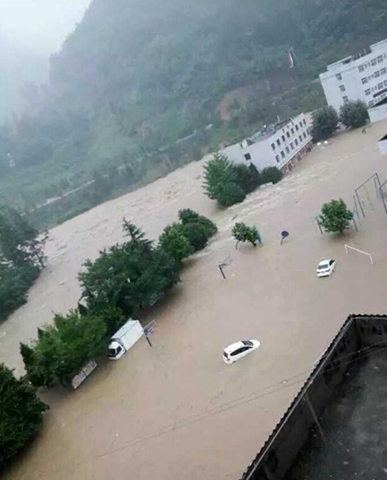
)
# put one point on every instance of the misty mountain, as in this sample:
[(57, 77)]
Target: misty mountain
[(18, 70), (138, 75)]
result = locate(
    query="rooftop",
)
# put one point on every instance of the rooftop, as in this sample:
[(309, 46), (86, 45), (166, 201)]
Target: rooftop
[(354, 425)]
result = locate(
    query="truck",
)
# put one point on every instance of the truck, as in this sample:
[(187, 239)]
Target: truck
[(124, 339)]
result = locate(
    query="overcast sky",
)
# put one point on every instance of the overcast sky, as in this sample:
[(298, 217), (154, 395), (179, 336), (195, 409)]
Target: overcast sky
[(40, 25)]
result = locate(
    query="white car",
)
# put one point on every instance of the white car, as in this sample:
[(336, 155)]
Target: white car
[(326, 267), (237, 350)]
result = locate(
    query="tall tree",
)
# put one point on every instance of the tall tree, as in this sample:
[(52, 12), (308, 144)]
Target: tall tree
[(335, 216), (325, 121), (21, 414), (354, 114)]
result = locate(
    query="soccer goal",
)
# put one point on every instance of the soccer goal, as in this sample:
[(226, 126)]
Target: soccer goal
[(362, 252)]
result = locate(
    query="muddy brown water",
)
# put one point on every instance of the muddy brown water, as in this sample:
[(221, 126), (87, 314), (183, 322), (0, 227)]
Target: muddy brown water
[(176, 410)]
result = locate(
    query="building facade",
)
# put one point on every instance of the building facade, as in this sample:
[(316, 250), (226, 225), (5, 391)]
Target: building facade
[(358, 77), (280, 145)]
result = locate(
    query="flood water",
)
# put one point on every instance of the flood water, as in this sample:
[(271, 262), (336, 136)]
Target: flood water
[(176, 410)]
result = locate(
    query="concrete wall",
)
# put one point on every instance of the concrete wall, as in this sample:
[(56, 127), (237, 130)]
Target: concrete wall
[(276, 150), (363, 78), (284, 444), (378, 113)]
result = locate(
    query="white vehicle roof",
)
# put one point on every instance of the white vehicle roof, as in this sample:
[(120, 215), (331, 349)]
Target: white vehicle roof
[(234, 346), (325, 261)]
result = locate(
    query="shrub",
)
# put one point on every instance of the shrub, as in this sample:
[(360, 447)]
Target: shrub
[(186, 215), (335, 216), (271, 174), (21, 414), (248, 178), (354, 114), (175, 243), (229, 194), (197, 235), (325, 122), (242, 233), (64, 348)]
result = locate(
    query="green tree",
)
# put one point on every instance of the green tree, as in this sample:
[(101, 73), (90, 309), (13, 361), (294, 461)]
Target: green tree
[(21, 414), (243, 233), (175, 243), (229, 194), (187, 215), (248, 178), (130, 276), (354, 114), (335, 216), (220, 181), (271, 175), (325, 121), (63, 348)]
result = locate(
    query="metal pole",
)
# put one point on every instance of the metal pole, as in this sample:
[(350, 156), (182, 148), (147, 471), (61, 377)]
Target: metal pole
[(148, 340), (221, 271), (359, 202), (354, 222), (318, 224), (316, 420)]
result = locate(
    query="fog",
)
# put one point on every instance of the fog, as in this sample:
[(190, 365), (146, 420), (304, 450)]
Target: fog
[(39, 26)]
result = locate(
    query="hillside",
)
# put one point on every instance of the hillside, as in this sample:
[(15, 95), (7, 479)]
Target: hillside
[(138, 75)]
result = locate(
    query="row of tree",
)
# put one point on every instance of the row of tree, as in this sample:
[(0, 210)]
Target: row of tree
[(229, 184), (21, 259), (123, 280), (326, 119)]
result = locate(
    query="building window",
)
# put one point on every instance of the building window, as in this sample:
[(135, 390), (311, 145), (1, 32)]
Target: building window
[(277, 158), (247, 156), (342, 88), (338, 76), (376, 74), (304, 134), (380, 85), (291, 145), (385, 83), (287, 149), (273, 146), (300, 137), (292, 130), (296, 141), (373, 62), (364, 80), (288, 134), (304, 122), (361, 68), (296, 127), (278, 142), (383, 71), (283, 154), (345, 99), (380, 58), (368, 91), (370, 103), (283, 138)]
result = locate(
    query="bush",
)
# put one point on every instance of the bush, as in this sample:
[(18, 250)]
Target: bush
[(271, 175), (186, 215), (175, 243), (229, 194), (197, 235), (21, 414), (14, 285), (335, 216), (325, 122), (248, 178), (354, 114), (242, 233), (64, 348)]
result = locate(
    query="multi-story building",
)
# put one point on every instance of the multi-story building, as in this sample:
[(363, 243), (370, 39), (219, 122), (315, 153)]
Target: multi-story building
[(280, 145), (358, 77)]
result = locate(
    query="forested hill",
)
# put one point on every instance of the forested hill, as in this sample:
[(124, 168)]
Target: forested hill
[(137, 75)]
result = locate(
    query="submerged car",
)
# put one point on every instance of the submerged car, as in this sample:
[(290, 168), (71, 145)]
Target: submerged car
[(326, 267), (237, 350)]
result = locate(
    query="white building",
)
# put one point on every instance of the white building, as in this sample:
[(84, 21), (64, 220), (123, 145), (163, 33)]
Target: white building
[(280, 145), (358, 77)]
